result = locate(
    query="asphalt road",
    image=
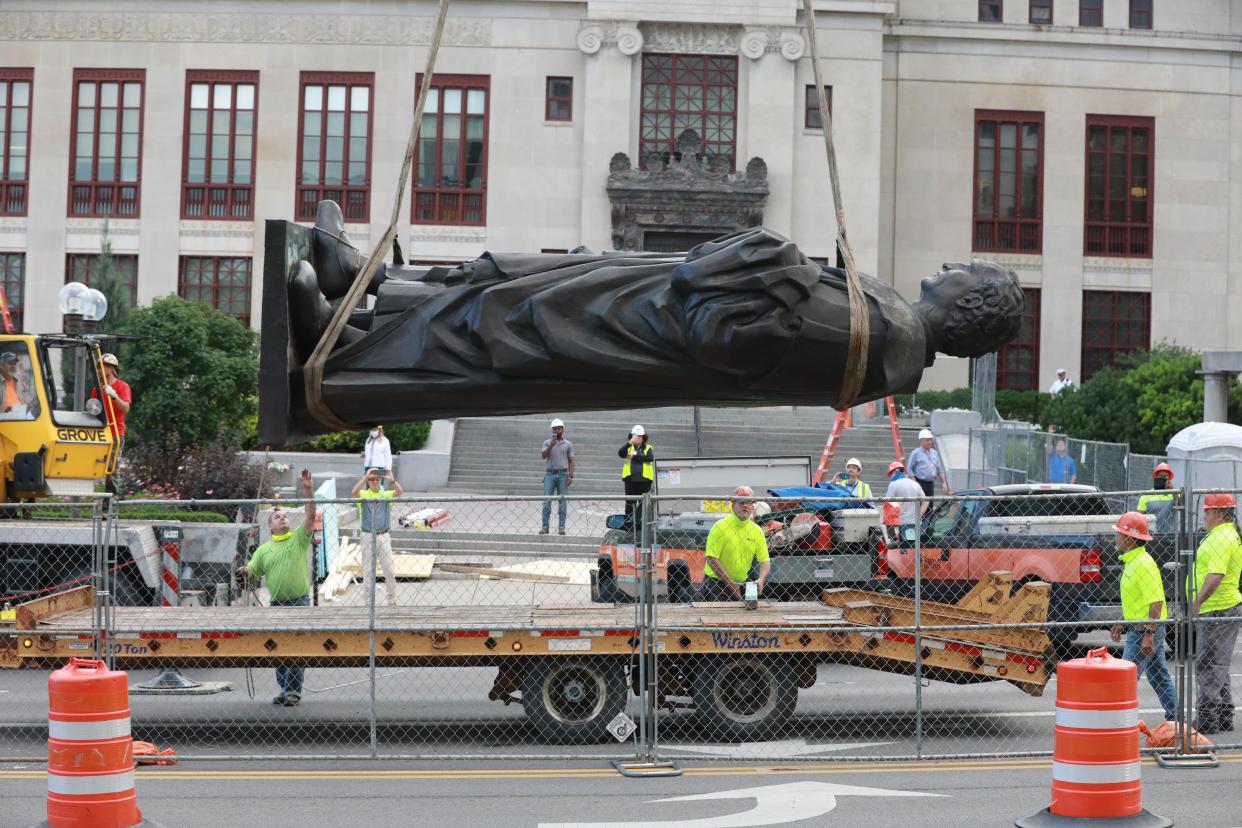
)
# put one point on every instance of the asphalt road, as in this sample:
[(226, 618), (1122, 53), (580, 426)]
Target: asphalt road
[(301, 794)]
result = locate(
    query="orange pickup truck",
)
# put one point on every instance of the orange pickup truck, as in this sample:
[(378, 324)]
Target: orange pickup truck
[(1057, 533)]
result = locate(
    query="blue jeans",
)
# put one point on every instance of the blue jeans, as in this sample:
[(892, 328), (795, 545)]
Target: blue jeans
[(555, 483), (290, 678), (1157, 671)]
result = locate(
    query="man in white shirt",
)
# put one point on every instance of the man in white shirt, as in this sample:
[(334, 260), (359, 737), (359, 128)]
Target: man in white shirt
[(903, 487), (1063, 382)]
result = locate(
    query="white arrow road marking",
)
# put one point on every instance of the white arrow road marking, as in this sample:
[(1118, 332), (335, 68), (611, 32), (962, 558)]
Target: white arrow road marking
[(768, 750), (774, 805)]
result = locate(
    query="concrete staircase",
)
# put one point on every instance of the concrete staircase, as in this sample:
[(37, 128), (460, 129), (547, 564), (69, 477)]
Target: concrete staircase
[(500, 455)]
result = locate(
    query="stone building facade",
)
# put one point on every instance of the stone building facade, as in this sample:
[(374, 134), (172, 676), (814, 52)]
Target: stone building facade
[(1091, 145)]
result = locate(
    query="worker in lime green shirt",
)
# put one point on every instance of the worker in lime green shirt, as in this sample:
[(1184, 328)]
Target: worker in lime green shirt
[(733, 545), (1215, 602), (284, 562), (1142, 600)]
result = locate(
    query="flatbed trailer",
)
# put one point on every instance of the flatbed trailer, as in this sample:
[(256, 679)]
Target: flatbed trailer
[(572, 664)]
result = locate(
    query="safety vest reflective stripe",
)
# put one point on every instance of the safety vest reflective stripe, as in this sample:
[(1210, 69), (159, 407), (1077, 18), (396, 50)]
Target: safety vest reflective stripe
[(82, 731), (1097, 719), (94, 784), (648, 468), (1096, 774)]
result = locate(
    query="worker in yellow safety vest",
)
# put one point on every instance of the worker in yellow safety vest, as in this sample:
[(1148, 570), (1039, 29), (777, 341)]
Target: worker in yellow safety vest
[(1161, 478), (638, 473), (852, 480)]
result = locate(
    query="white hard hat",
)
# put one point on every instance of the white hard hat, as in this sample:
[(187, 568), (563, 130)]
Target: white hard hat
[(557, 423), (638, 431), (926, 434), (854, 461), (1061, 371), (762, 508)]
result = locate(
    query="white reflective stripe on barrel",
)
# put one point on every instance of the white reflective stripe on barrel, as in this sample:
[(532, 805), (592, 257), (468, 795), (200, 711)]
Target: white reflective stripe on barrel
[(1095, 774), (84, 785), (82, 731), (1097, 719)]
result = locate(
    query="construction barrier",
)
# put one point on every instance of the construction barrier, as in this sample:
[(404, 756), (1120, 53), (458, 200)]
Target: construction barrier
[(1096, 767), (90, 752)]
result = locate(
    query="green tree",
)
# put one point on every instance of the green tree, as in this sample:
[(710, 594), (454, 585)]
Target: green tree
[(194, 373), (1102, 408), (111, 283)]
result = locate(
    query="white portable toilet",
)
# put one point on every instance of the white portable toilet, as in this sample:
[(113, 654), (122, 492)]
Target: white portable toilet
[(1207, 456)]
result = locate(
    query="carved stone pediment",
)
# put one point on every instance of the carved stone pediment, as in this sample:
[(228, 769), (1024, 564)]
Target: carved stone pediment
[(680, 197)]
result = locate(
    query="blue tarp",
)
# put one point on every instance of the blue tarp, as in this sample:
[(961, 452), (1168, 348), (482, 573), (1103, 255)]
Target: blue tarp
[(824, 497)]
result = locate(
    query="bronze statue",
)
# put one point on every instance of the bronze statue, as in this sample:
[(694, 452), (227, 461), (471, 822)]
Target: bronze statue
[(742, 320)]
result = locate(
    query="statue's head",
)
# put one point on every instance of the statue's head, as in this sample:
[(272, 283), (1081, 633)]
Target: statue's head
[(973, 309)]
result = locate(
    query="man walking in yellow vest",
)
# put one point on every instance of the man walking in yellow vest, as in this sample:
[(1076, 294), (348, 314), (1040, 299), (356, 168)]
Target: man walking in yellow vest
[(1215, 603), (638, 473)]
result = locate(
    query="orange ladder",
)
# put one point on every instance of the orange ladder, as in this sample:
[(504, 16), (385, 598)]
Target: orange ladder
[(844, 421)]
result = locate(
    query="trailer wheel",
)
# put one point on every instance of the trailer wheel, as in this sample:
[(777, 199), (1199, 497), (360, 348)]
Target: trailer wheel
[(571, 701), (743, 697)]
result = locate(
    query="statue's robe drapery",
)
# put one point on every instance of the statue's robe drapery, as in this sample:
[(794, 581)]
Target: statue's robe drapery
[(746, 319)]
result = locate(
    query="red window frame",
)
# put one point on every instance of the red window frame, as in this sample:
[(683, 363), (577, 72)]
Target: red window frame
[(1091, 13), (558, 104), (13, 281), (1017, 362), (811, 118), (230, 199), (1039, 13), (1141, 14), (991, 11), (671, 83), (1114, 323), (13, 189), (1021, 232), (215, 293), (80, 267), (437, 202), (1119, 226), (115, 197), (354, 199)]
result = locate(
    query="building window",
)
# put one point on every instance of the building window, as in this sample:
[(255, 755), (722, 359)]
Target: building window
[(450, 184), (1041, 12), (14, 139), (1140, 14), (221, 281), (990, 11), (1017, 363), (13, 281), (1120, 163), (1090, 12), (1009, 162), (106, 165), (1113, 323), (220, 111), (80, 267), (334, 155), (681, 92), (812, 120), (559, 105)]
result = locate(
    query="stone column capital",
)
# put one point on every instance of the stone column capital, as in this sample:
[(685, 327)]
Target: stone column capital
[(623, 34), (756, 41)]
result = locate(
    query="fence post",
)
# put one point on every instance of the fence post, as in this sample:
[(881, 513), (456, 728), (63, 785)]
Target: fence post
[(918, 634), (1185, 756), (647, 763), (371, 561)]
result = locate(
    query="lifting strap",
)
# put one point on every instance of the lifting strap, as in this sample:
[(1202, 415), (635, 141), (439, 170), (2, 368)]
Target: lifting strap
[(312, 372), (860, 320)]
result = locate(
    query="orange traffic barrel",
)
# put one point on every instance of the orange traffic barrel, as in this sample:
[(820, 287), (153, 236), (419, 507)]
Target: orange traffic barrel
[(1095, 748), (90, 752)]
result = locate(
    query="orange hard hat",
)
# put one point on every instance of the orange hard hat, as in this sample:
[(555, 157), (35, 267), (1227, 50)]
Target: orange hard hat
[(895, 466), (1134, 525), (1163, 468), (1220, 500)]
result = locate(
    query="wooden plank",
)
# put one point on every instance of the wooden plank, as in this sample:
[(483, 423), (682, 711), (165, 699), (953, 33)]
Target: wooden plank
[(31, 613), (405, 567), (506, 574)]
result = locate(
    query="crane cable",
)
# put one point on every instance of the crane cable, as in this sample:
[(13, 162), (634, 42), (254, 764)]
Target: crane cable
[(860, 320), (312, 372)]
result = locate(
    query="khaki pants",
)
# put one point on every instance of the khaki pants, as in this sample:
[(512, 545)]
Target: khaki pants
[(383, 553)]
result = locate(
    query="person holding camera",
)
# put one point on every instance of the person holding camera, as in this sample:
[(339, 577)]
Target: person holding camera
[(558, 474), (374, 516), (638, 472)]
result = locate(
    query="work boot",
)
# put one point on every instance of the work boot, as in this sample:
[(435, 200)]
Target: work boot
[(1224, 717), (1206, 719)]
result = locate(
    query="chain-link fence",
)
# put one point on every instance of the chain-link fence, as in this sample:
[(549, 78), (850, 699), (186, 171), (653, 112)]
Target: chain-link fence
[(1014, 452), (797, 626)]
